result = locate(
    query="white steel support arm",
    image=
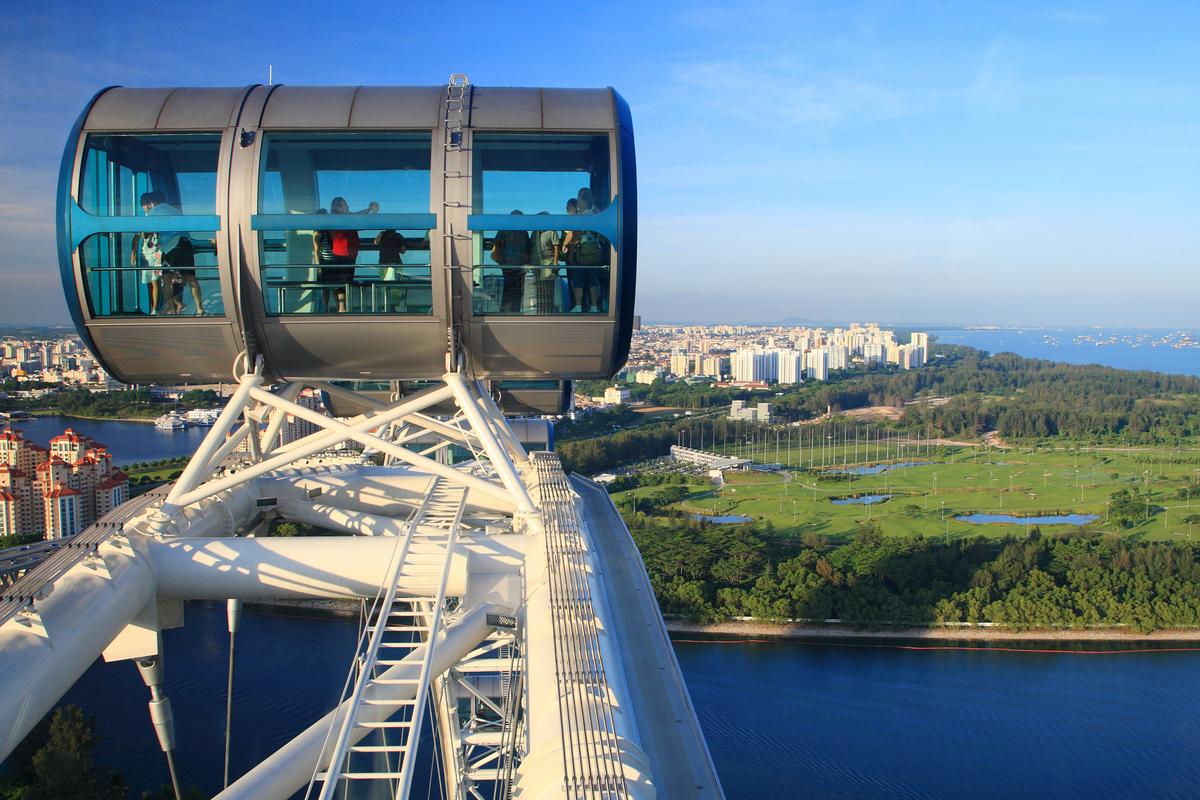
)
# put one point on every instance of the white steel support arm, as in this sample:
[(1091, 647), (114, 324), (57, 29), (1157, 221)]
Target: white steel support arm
[(495, 452), (270, 568), (289, 391), (340, 432), (197, 468), (502, 429), (43, 654), (420, 420), (288, 770)]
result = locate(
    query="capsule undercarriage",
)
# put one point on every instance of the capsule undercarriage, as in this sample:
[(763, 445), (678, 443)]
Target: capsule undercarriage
[(352, 233)]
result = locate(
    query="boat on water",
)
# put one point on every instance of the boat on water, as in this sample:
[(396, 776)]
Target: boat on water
[(204, 417), (171, 422)]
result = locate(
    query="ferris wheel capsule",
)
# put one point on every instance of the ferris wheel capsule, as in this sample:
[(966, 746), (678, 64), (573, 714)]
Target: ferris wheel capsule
[(358, 233)]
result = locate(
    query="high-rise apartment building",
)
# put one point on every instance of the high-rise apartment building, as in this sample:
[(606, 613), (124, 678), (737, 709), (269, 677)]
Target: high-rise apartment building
[(56, 492), (790, 365), (817, 365), (754, 366)]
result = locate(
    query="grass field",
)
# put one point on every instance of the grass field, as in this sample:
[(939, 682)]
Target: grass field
[(1022, 481)]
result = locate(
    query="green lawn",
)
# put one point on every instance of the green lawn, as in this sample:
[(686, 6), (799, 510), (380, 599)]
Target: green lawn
[(1024, 481)]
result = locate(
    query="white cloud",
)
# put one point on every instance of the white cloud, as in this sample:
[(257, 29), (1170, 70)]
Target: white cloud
[(782, 89), (996, 84)]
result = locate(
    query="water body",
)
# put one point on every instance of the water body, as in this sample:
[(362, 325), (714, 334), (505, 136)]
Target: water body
[(865, 500), (1009, 519), (129, 442), (838, 721), (876, 469), (1139, 348), (798, 720), (722, 519)]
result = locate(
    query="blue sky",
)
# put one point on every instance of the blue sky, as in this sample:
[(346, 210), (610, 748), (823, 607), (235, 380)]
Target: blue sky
[(921, 162)]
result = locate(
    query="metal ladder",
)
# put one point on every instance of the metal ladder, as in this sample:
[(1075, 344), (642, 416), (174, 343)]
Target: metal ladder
[(456, 184), (404, 631)]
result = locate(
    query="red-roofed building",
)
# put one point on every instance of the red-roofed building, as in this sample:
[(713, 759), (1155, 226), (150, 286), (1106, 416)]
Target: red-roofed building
[(60, 491)]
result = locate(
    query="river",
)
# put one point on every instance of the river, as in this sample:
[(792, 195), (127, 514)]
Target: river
[(129, 442), (782, 720)]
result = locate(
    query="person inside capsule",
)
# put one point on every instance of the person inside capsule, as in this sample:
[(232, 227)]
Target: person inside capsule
[(146, 246), (540, 285), (510, 249), (172, 250), (338, 248)]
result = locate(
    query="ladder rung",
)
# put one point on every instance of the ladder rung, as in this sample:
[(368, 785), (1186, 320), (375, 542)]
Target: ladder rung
[(401, 628), (375, 725), (367, 776), (379, 748), (367, 701), (396, 681)]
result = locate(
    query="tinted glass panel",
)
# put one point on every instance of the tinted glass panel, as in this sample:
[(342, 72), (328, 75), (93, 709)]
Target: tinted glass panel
[(539, 172), (305, 173), (167, 273), (357, 271), (541, 272), (119, 169), (128, 275), (387, 273)]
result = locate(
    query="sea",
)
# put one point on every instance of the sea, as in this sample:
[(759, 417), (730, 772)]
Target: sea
[(1174, 351), (827, 719)]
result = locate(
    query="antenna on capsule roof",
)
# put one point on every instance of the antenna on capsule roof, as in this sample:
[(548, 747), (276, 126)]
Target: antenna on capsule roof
[(270, 74)]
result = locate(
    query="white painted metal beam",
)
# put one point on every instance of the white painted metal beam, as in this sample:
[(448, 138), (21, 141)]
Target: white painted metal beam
[(44, 654), (289, 769)]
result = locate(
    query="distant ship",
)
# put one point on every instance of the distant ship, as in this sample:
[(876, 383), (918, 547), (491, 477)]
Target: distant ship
[(171, 422), (204, 417)]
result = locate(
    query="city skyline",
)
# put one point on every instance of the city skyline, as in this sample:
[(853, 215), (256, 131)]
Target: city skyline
[(1016, 165)]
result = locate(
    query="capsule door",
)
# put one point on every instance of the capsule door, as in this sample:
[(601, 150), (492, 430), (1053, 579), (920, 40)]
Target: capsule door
[(143, 234), (339, 249)]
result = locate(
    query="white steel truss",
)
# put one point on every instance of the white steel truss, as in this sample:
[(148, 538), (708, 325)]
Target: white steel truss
[(385, 428), (481, 718)]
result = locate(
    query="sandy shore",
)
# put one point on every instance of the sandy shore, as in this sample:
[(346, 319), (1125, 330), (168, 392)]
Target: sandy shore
[(764, 630)]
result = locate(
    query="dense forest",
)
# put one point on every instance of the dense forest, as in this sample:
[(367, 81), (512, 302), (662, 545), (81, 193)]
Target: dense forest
[(127, 404), (709, 572)]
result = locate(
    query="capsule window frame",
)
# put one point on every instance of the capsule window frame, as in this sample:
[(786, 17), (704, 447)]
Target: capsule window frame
[(484, 216), (267, 219)]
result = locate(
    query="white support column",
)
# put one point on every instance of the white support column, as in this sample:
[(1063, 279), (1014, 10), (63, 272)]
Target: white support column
[(198, 467), (289, 391), (43, 654), (495, 452), (501, 424), (287, 568)]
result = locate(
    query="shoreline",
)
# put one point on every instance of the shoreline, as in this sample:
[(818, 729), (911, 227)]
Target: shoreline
[(737, 630), (748, 632)]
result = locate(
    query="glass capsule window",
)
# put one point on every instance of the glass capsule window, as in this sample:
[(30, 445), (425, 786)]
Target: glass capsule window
[(167, 270), (564, 270), (165, 274), (335, 226)]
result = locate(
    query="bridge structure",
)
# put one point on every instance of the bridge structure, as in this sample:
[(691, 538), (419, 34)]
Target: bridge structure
[(506, 611)]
